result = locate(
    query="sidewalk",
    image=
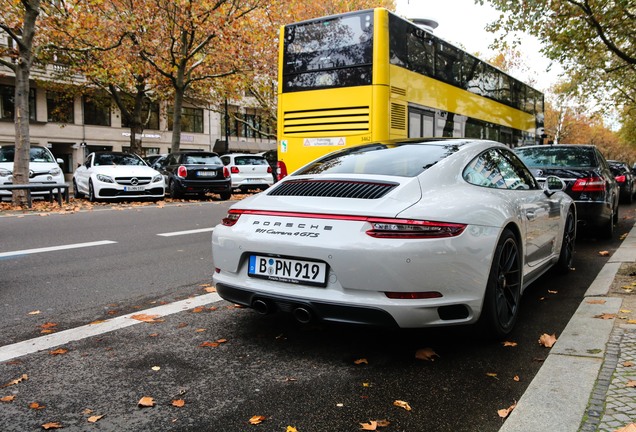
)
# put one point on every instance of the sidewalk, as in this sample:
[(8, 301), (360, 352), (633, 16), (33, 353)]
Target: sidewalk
[(585, 383)]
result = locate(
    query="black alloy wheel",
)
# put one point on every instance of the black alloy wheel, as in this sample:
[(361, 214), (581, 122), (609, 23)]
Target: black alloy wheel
[(173, 189), (91, 192), (503, 292), (76, 192), (566, 256)]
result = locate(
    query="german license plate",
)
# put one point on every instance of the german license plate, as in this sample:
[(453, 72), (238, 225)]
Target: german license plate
[(288, 270), (206, 173), (134, 188)]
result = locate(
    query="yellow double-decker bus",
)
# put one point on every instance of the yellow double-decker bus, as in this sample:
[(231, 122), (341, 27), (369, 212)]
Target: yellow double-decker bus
[(370, 76)]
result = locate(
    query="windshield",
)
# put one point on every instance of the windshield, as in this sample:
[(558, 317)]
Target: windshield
[(36, 154), (332, 52), (118, 159), (571, 156), (406, 160)]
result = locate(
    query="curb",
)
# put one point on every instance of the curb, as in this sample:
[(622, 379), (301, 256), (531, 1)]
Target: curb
[(558, 396)]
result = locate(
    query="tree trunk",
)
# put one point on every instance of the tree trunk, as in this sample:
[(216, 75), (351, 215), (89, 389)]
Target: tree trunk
[(176, 118), (21, 116)]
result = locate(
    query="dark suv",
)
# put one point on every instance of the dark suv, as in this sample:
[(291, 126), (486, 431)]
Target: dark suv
[(587, 176), (195, 172)]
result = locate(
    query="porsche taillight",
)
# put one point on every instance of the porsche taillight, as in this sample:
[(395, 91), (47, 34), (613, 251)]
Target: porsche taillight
[(590, 184), (412, 229), (182, 172), (232, 218)]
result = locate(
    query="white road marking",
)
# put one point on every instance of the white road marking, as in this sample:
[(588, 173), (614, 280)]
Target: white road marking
[(178, 233), (30, 346), (54, 248)]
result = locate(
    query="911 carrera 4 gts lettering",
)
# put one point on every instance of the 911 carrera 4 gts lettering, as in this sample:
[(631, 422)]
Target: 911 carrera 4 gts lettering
[(288, 233)]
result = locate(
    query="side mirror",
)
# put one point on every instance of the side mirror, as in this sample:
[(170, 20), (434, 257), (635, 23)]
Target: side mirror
[(552, 185), (59, 161)]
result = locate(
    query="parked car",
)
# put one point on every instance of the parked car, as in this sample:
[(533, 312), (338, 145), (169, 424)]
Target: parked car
[(248, 171), (195, 172), (151, 159), (43, 168), (588, 179), (272, 160), (625, 179), (110, 175), (415, 233)]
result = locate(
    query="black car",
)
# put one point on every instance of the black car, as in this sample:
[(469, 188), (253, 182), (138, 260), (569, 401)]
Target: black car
[(195, 172), (625, 179), (588, 180)]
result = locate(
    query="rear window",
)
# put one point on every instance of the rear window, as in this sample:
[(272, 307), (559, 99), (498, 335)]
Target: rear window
[(250, 160), (202, 159), (37, 154), (406, 160), (574, 156)]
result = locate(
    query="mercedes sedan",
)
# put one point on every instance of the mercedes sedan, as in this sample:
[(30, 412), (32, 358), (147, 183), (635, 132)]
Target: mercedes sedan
[(416, 233), (109, 175)]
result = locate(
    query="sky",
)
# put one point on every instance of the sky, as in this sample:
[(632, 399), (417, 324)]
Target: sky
[(463, 23)]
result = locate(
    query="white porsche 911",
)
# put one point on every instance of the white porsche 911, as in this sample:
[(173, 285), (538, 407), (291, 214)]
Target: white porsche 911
[(110, 175), (417, 233)]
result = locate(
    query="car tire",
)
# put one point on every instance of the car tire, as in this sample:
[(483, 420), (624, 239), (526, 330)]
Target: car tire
[(566, 256), (173, 189), (76, 193), (503, 291), (91, 192), (225, 196), (629, 199), (608, 228)]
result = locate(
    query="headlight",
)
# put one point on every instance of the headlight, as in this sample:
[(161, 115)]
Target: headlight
[(55, 171), (4, 172), (105, 178), (157, 178)]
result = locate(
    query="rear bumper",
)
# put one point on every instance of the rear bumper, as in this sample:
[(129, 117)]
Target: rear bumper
[(198, 186), (593, 214)]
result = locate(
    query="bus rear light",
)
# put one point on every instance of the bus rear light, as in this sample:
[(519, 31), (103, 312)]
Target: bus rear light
[(590, 184), (232, 218), (234, 169), (412, 229), (282, 170), (413, 295), (182, 172)]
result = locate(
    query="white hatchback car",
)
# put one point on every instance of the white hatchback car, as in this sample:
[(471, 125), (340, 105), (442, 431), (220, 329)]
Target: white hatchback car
[(109, 175), (248, 171), (43, 168)]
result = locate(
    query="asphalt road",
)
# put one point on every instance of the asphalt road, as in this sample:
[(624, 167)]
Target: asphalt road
[(314, 378)]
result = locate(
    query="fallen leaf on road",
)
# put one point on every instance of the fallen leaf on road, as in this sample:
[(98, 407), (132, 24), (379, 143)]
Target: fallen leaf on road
[(146, 318), (97, 322), (426, 354), (7, 398), (182, 325), (24, 377), (291, 429), (505, 412), (516, 378), (510, 344), (491, 375), (371, 426), (210, 289), (200, 330), (603, 253), (178, 403), (547, 340), (625, 311), (257, 419), (628, 364), (35, 312), (631, 383), (52, 425), (36, 406), (209, 344), (58, 351), (95, 419), (361, 361), (402, 404), (145, 402), (198, 309), (155, 368)]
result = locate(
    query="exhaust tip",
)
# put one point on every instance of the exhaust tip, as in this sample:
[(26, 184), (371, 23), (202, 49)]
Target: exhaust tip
[(261, 307), (302, 315)]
